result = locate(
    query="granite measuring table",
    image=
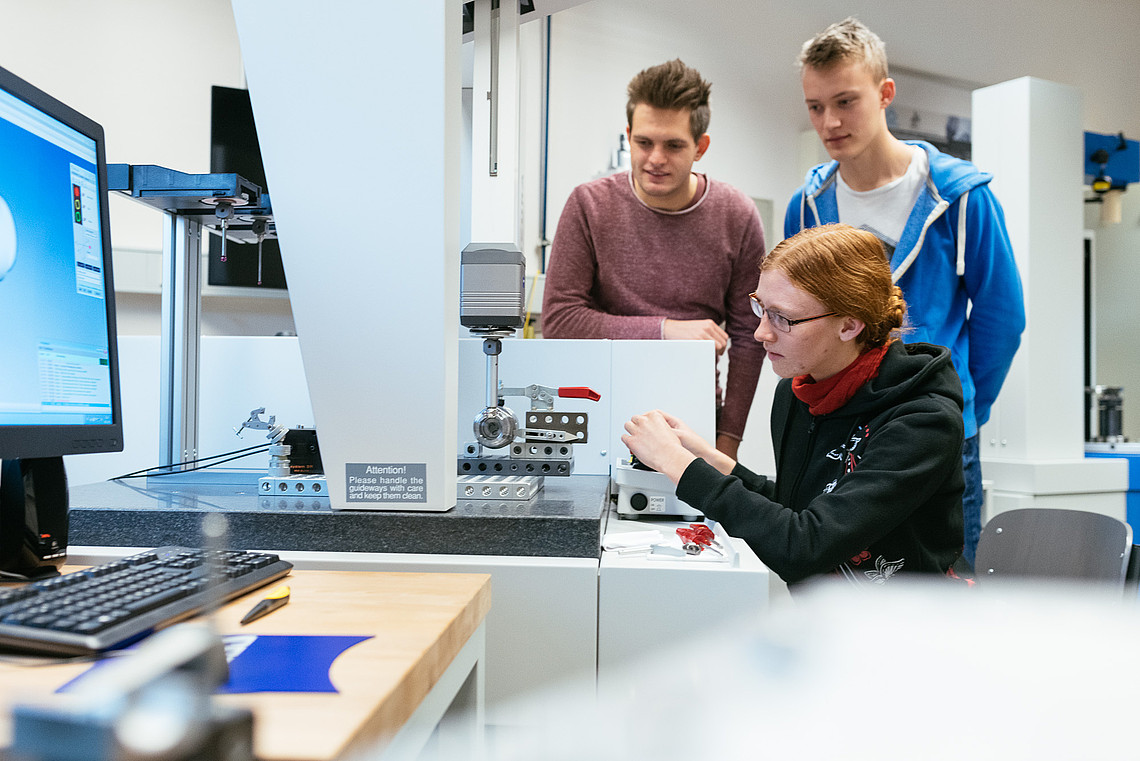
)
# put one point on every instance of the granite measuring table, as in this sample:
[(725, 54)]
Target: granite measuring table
[(563, 520)]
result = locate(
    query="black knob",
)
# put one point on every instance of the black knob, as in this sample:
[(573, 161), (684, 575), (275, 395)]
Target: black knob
[(638, 501)]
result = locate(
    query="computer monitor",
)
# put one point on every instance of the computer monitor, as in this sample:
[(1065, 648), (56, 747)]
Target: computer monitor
[(59, 384)]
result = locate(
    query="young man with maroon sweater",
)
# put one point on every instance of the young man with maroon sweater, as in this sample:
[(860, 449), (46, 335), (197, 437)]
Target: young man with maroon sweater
[(661, 252)]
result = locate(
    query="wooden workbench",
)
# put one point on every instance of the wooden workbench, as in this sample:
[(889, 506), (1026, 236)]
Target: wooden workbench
[(426, 649)]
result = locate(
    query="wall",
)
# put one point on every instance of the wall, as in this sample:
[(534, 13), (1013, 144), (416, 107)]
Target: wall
[(143, 70)]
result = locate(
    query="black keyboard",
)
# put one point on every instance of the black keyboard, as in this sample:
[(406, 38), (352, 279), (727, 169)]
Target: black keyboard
[(114, 604)]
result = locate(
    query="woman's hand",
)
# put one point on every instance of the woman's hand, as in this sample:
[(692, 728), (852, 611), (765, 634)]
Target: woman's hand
[(691, 441), (655, 442), (689, 438)]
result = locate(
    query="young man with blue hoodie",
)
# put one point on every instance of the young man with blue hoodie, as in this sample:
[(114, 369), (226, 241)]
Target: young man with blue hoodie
[(941, 226)]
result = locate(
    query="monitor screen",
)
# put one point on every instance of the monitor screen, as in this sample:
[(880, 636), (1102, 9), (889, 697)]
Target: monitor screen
[(234, 150), (59, 385)]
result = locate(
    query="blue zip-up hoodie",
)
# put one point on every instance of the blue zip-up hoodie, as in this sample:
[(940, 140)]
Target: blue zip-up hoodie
[(953, 257)]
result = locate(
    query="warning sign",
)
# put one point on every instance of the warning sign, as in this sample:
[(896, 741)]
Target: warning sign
[(386, 482)]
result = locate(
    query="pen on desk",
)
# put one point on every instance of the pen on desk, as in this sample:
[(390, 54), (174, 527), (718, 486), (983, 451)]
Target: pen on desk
[(271, 602)]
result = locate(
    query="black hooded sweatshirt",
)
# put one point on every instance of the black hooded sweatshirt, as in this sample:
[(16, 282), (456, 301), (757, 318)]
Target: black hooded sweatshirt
[(869, 491)]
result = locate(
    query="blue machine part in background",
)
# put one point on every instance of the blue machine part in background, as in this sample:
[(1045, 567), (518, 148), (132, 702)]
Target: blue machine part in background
[(1123, 164), (1132, 497)]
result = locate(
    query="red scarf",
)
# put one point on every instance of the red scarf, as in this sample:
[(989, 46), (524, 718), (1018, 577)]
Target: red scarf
[(828, 395)]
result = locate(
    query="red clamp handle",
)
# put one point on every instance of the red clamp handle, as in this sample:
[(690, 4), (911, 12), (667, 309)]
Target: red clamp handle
[(578, 392)]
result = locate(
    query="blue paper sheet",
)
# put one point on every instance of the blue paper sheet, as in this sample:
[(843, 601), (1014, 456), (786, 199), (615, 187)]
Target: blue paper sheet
[(269, 663)]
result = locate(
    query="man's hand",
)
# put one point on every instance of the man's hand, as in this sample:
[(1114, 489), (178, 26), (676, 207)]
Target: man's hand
[(696, 330)]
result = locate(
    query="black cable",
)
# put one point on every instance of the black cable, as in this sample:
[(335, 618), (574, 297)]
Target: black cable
[(160, 472), (164, 469), (197, 499)]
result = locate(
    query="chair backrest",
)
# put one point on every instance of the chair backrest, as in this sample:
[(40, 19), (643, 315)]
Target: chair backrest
[(1044, 543), (1132, 575)]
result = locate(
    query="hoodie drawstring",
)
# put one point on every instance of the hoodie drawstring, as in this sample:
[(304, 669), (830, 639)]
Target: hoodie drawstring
[(961, 269)]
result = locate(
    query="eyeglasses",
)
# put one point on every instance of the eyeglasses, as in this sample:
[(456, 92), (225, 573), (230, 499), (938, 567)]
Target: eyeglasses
[(777, 320)]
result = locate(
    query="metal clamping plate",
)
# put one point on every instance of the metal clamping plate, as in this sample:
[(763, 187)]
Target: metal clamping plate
[(510, 488), (572, 423)]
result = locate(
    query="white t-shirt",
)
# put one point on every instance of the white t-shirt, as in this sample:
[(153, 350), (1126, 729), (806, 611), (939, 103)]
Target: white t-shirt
[(884, 210)]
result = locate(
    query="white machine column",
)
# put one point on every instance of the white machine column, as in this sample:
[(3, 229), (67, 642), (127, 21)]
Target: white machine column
[(495, 125), (1028, 133), (357, 106)]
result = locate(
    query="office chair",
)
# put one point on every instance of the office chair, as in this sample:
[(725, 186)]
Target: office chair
[(1132, 575), (1061, 545)]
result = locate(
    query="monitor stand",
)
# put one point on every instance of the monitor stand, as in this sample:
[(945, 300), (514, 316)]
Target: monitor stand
[(33, 517)]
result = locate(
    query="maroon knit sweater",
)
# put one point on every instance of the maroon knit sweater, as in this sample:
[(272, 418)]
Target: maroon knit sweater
[(619, 268)]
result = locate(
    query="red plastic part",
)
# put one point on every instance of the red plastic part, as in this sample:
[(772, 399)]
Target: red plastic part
[(702, 530), (693, 536), (578, 392)]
